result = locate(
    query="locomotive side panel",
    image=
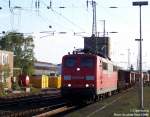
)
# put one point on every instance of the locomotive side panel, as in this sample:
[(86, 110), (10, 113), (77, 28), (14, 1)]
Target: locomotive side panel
[(99, 76), (108, 77)]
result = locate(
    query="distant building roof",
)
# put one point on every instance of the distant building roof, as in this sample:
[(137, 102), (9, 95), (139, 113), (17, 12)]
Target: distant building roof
[(46, 68), (43, 64)]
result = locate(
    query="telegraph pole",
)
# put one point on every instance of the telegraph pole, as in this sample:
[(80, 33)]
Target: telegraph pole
[(140, 4)]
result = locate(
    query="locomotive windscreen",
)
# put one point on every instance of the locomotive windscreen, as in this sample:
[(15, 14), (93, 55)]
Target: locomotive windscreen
[(84, 61), (70, 62), (87, 62)]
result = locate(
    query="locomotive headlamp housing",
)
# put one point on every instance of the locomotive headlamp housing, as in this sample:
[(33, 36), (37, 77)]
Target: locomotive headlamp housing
[(69, 85), (78, 69), (87, 85)]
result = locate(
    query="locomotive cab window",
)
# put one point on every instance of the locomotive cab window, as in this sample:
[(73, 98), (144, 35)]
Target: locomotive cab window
[(105, 66), (87, 62), (114, 68), (70, 62)]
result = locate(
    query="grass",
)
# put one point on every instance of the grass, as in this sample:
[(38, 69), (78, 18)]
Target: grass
[(128, 103), (18, 88), (35, 90)]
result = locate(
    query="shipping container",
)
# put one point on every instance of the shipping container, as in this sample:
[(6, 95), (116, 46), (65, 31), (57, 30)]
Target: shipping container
[(39, 81), (55, 81)]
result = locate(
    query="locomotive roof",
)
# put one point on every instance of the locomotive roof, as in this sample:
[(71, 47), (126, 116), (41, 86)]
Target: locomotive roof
[(89, 54)]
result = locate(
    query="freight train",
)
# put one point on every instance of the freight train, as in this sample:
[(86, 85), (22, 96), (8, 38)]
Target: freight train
[(89, 76)]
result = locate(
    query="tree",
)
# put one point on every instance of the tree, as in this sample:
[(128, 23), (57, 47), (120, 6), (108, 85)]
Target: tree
[(22, 48), (28, 56), (4, 73)]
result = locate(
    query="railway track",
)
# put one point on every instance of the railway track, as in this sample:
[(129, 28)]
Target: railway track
[(29, 99), (29, 108), (61, 111), (31, 111), (25, 105), (39, 106), (53, 112)]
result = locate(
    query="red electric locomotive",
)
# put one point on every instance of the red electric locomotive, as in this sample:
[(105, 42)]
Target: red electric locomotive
[(87, 76)]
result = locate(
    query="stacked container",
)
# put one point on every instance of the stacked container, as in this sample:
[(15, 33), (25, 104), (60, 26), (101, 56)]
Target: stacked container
[(40, 82), (55, 81)]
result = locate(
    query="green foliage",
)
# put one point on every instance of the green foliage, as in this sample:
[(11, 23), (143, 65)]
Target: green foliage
[(35, 90), (15, 86), (6, 71), (2, 91), (22, 48)]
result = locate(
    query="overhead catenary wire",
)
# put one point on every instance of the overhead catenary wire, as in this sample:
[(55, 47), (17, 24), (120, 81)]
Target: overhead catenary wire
[(37, 5), (41, 4), (38, 2), (53, 22), (64, 17), (68, 20), (45, 19)]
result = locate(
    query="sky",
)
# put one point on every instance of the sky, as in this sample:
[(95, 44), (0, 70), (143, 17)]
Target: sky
[(60, 29)]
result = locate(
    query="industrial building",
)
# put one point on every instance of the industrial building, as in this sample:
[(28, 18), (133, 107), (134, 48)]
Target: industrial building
[(45, 68)]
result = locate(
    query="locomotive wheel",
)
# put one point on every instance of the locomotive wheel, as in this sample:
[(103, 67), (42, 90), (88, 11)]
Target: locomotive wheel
[(96, 98), (100, 98)]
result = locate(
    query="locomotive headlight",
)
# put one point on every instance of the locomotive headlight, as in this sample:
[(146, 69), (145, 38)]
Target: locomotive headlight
[(89, 77), (78, 69), (69, 85), (67, 77), (87, 85)]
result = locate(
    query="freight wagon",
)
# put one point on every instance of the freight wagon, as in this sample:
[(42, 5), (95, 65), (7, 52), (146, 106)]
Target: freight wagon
[(126, 79)]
